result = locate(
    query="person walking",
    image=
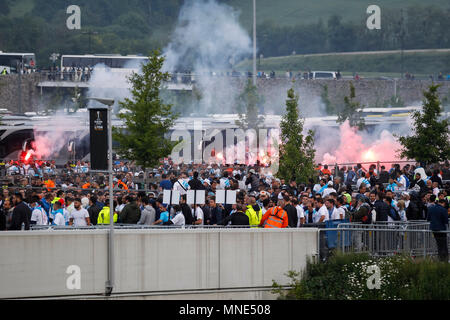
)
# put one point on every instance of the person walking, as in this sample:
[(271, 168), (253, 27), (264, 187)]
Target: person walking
[(93, 210), (103, 215), (237, 218), (253, 211), (21, 214), (275, 217), (131, 212), (438, 217), (79, 217), (148, 213)]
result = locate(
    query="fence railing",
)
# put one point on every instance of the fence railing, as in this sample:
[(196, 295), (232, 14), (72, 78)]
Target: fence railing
[(379, 240)]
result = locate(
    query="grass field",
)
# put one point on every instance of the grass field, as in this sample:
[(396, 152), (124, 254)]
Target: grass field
[(376, 64), (293, 12)]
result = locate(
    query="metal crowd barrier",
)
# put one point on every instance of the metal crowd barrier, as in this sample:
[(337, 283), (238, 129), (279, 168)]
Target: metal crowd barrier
[(136, 227), (382, 239)]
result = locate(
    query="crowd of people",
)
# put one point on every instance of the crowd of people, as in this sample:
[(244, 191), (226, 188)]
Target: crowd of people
[(338, 189), (76, 74), (42, 194)]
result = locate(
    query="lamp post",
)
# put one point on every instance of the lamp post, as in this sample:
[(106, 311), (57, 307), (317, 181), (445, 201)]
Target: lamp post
[(110, 281), (90, 33), (254, 42)]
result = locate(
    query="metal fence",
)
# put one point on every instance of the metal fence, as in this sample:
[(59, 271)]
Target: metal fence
[(381, 239), (119, 226)]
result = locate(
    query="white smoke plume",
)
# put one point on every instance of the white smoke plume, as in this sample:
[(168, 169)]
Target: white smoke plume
[(206, 39)]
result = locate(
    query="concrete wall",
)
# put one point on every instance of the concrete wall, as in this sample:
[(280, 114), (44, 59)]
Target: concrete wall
[(9, 92), (369, 92), (152, 262)]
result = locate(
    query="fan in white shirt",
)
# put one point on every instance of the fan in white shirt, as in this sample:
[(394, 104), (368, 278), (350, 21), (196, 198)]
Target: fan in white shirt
[(322, 215), (38, 215), (79, 217), (300, 215), (178, 219), (198, 215)]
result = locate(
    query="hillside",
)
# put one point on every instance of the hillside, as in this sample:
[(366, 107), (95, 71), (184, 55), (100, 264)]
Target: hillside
[(294, 12), (282, 12), (284, 27), (421, 63)]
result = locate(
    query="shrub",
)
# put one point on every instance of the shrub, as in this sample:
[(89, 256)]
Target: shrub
[(347, 277)]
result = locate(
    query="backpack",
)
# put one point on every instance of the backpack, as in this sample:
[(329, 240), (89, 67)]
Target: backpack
[(393, 213)]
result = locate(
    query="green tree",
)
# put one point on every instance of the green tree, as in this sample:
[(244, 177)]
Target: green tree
[(248, 104), (394, 102), (351, 110), (296, 150), (329, 107), (147, 119), (430, 142)]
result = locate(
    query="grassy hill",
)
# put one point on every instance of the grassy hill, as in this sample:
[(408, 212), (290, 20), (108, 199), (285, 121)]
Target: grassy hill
[(293, 12), (284, 26), (417, 62), (287, 12)]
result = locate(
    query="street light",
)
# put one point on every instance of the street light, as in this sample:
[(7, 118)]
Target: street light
[(54, 57), (90, 33), (110, 281), (254, 42)]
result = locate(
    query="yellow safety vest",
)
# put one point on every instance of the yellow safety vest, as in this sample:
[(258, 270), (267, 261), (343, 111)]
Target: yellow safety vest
[(253, 216), (103, 216), (55, 199)]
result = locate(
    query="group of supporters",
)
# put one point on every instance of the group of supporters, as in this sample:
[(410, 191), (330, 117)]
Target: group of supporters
[(74, 73), (75, 197)]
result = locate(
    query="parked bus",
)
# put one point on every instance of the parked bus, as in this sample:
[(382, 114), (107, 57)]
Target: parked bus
[(116, 63), (12, 62)]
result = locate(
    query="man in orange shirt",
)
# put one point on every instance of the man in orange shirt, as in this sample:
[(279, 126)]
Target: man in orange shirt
[(275, 217), (325, 170), (50, 184)]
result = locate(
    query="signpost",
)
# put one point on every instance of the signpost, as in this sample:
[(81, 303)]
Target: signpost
[(101, 161)]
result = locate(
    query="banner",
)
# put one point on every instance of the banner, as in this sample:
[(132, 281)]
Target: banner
[(98, 126)]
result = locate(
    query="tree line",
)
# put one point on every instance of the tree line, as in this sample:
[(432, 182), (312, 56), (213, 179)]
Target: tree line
[(415, 27), (139, 26)]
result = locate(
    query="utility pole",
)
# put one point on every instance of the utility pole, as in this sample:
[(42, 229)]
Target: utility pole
[(19, 81), (90, 33), (254, 42), (402, 35)]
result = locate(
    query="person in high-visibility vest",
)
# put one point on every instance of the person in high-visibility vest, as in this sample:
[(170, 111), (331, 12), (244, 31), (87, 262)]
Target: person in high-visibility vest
[(121, 185), (275, 217), (254, 212), (103, 215)]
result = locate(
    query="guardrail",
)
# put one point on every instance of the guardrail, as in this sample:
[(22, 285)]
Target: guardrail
[(190, 78), (379, 240)]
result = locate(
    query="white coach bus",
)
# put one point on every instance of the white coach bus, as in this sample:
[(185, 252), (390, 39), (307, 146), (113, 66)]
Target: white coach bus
[(12, 62), (116, 63)]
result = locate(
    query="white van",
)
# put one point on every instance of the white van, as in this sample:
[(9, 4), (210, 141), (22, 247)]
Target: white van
[(323, 75)]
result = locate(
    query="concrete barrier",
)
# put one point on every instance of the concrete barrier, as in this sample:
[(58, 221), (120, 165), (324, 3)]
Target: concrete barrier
[(153, 262)]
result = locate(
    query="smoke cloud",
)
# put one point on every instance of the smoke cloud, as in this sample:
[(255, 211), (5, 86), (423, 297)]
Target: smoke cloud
[(207, 41), (354, 146)]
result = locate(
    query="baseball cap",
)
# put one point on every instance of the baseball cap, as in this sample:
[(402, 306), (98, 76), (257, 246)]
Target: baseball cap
[(330, 183), (263, 193), (252, 171)]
